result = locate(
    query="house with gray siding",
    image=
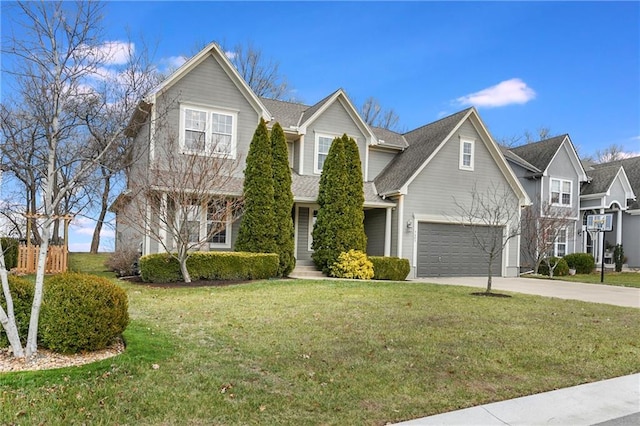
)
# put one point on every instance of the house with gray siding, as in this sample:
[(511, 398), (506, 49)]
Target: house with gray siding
[(551, 173), (612, 188), (412, 181)]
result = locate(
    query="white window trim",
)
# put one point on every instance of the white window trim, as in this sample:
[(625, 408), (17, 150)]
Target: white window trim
[(208, 131), (310, 229), (566, 242), (228, 227), (316, 151), (202, 219), (560, 204), (461, 164)]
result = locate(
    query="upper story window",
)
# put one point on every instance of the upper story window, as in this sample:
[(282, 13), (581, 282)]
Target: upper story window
[(561, 192), (467, 148), (323, 143), (206, 131)]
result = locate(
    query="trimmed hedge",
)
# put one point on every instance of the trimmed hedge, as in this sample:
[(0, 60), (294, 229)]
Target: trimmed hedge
[(212, 265), (560, 270), (583, 263), (82, 312), (10, 247), (22, 295), (390, 268)]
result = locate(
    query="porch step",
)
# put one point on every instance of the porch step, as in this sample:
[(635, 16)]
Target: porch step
[(306, 271)]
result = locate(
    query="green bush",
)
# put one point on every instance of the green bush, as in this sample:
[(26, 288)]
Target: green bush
[(212, 265), (352, 264), (561, 269), (10, 247), (618, 257), (22, 295), (583, 263), (390, 268), (81, 312)]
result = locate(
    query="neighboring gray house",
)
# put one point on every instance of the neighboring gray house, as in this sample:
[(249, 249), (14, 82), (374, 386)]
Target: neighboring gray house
[(412, 180), (551, 173), (613, 188)]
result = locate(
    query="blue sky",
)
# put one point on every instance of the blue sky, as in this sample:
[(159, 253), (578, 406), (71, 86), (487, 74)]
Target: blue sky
[(573, 67)]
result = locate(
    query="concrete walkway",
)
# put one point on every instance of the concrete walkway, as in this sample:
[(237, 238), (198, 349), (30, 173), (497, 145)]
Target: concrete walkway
[(613, 402), (597, 293)]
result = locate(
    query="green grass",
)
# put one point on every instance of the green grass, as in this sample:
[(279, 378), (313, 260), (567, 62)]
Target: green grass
[(327, 352), (623, 279), (87, 262)]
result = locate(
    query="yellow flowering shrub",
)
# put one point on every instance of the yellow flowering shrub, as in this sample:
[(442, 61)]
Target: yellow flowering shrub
[(352, 264)]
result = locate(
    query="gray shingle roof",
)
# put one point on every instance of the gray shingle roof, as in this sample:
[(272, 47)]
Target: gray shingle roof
[(601, 179), (540, 154), (514, 158), (422, 142), (311, 110), (305, 188), (389, 138), (286, 113), (632, 170)]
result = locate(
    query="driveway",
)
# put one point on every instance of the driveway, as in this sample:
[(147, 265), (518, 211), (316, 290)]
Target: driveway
[(597, 293)]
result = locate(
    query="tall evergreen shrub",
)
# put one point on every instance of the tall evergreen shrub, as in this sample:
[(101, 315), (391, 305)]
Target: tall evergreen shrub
[(257, 229), (339, 226), (282, 201)]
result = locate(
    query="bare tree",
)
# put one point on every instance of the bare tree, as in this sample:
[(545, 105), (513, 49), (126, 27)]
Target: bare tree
[(611, 153), (541, 227), (526, 137), (261, 74), (184, 202), (373, 114), (110, 107), (493, 219), (57, 55)]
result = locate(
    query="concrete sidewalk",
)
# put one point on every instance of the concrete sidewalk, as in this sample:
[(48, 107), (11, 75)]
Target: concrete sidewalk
[(597, 293), (613, 402), (609, 402)]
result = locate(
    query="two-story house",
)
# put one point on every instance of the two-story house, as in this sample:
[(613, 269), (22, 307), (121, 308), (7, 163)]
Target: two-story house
[(412, 181), (551, 173), (612, 188)]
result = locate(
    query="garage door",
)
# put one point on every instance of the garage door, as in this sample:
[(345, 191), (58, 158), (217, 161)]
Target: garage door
[(446, 250)]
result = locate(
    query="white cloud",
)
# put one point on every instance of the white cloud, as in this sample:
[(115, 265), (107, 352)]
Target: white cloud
[(116, 52), (230, 54), (173, 62), (79, 247), (513, 91)]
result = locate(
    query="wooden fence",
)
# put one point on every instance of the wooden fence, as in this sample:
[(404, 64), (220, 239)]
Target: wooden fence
[(57, 258)]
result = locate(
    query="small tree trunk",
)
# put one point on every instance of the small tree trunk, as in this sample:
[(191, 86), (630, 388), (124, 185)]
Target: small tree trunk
[(32, 337), (489, 276), (104, 204), (8, 319), (183, 269)]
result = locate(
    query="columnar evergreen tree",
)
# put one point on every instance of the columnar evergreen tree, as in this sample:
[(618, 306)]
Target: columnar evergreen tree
[(356, 237), (339, 226), (257, 229), (282, 201)]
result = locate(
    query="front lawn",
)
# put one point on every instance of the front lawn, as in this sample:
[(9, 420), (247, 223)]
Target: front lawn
[(623, 279), (327, 352)]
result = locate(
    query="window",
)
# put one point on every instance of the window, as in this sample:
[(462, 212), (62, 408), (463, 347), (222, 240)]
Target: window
[(218, 228), (560, 244), (466, 154), (323, 143), (190, 223), (208, 132), (561, 192)]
